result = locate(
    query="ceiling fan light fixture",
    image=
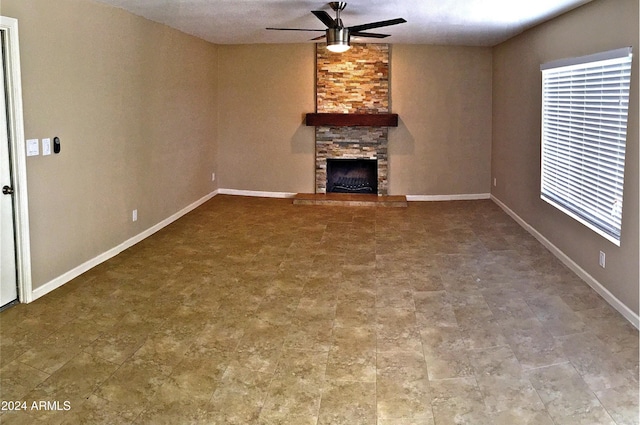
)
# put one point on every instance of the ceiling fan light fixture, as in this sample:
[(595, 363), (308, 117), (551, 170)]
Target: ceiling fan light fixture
[(338, 40)]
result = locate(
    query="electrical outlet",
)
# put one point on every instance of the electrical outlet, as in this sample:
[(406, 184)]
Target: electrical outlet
[(602, 259), (213, 177), (495, 182), (134, 215)]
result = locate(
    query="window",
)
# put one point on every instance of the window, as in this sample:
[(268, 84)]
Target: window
[(584, 131)]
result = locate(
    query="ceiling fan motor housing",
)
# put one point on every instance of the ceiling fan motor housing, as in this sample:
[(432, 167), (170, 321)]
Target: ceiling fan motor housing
[(338, 36)]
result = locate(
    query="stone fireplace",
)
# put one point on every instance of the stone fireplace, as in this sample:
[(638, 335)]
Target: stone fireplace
[(354, 82)]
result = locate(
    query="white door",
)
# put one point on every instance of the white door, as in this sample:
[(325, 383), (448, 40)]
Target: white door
[(8, 274)]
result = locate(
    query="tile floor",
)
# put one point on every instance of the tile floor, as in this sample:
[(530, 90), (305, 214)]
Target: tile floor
[(256, 311)]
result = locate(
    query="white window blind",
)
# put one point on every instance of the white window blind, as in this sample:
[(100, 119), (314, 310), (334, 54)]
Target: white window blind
[(584, 130)]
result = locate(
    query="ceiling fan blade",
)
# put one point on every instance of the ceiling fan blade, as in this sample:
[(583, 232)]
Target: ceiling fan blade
[(293, 29), (319, 38), (325, 18), (368, 34), (378, 24)]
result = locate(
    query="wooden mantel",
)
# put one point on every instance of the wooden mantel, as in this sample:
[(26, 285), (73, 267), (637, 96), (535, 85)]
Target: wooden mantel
[(352, 120)]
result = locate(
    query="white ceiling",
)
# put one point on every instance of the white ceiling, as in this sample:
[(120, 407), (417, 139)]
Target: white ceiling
[(457, 22)]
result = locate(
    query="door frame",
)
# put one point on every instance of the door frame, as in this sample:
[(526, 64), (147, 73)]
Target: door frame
[(17, 156)]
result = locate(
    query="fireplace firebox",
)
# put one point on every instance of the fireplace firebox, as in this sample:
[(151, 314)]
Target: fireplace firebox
[(352, 175)]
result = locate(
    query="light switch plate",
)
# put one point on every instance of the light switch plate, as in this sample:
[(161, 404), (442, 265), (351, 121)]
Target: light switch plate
[(32, 147), (46, 147)]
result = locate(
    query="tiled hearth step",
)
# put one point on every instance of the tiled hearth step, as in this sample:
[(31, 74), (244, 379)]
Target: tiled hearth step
[(346, 199)]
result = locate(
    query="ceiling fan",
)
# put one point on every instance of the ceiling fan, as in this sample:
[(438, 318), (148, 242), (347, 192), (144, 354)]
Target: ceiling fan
[(337, 35)]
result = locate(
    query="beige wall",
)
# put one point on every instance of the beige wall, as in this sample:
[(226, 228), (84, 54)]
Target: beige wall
[(442, 94), (443, 142), (134, 104), (598, 26), (265, 90)]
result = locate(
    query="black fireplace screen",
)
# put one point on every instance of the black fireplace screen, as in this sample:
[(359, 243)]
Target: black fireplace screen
[(352, 176)]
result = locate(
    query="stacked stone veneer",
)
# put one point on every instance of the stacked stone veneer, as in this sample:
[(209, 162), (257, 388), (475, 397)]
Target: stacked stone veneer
[(356, 81)]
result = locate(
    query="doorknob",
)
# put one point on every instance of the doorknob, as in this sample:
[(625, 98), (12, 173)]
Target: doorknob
[(7, 190)]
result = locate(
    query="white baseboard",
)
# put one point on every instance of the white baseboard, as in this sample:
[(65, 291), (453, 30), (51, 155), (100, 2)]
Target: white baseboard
[(590, 280), (255, 193), (566, 260), (260, 194), (462, 197), (86, 266)]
